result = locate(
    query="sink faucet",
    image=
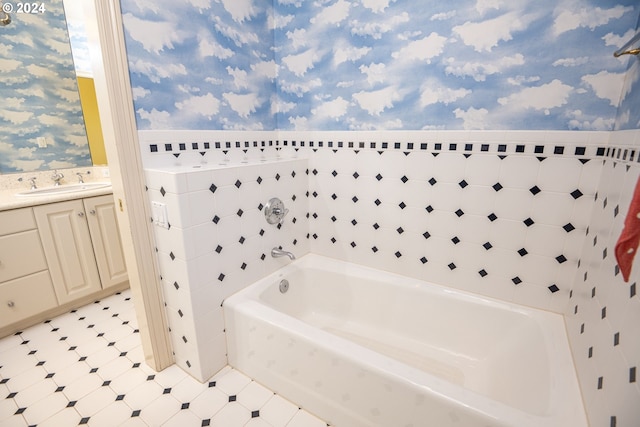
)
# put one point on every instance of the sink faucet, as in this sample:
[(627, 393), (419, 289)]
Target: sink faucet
[(277, 252), (56, 177)]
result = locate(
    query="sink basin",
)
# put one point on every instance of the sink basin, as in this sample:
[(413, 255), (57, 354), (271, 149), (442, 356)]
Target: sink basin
[(71, 188)]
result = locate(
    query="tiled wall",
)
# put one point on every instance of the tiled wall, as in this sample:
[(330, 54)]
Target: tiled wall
[(219, 242), (504, 214), (604, 311)]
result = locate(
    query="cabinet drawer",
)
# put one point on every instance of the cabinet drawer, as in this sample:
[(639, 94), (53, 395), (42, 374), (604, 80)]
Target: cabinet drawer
[(16, 220), (25, 297), (21, 254)]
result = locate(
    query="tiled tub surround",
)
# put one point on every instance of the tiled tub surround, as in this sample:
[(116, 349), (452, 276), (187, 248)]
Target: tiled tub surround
[(360, 347), (219, 242), (603, 316)]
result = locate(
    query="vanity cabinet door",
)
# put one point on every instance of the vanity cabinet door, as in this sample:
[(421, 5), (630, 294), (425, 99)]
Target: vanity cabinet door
[(67, 246), (105, 234)]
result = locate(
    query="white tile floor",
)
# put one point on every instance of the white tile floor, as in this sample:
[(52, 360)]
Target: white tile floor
[(86, 368)]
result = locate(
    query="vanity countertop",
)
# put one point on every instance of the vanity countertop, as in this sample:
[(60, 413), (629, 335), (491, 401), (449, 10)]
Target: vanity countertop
[(10, 200)]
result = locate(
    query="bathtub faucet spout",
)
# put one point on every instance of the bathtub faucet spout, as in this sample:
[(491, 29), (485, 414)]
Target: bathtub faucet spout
[(277, 252)]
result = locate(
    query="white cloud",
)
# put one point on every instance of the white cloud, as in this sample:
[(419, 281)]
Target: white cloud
[(157, 119), (375, 72), (473, 119), (611, 39), (298, 37), (520, 80), (296, 3), (375, 30), (299, 64), (332, 15), (27, 165), (331, 109), (606, 85), (376, 102), (376, 6), (433, 92), (69, 95), (349, 53), (38, 71), (483, 5), (155, 72), (240, 10), (276, 21), (299, 123), (357, 124), (204, 105), (279, 106), (208, 47), (239, 77), (570, 62), (49, 120), (60, 164), (300, 89), (579, 122), (16, 117), (139, 92), (567, 20), (239, 36), (24, 38), (487, 34), (266, 69), (242, 104), (480, 70), (13, 103), (8, 65), (423, 50), (549, 95), (154, 36), (443, 16)]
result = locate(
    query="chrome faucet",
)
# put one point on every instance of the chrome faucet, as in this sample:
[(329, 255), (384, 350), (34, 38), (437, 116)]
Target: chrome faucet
[(56, 177), (277, 253), (32, 181)]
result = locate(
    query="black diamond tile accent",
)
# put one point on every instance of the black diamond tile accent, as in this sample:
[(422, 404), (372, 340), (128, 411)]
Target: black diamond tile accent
[(426, 234), (221, 277), (568, 227), (241, 240), (534, 190), (483, 273), (218, 249), (463, 183), (243, 266), (334, 196), (105, 383), (455, 240), (213, 188), (84, 420), (205, 423), (402, 205), (432, 181), (232, 398), (255, 414), (423, 260), (172, 256), (561, 259), (215, 219), (452, 266), (400, 230), (184, 406), (151, 377), (51, 375), (487, 245), (20, 411), (356, 175), (136, 413), (459, 212), (497, 186), (379, 177), (59, 389), (404, 179), (354, 222), (492, 217), (353, 244), (162, 191), (576, 194), (528, 222), (240, 212), (398, 254), (429, 208), (377, 202), (376, 226), (238, 183), (166, 390), (259, 180), (278, 176), (354, 199), (72, 403), (516, 280), (11, 395), (374, 249), (522, 252), (334, 173), (553, 288)]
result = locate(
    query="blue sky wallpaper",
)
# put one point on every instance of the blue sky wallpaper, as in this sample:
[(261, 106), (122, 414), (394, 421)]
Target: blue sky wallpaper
[(379, 64), (39, 95)]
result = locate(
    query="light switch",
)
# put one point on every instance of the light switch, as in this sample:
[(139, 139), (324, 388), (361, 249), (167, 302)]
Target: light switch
[(42, 141), (159, 214)]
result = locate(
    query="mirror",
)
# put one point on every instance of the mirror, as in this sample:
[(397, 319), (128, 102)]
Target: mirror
[(42, 125)]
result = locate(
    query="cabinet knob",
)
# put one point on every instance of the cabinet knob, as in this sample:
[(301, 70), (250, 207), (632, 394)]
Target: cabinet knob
[(80, 214), (92, 211), (10, 304)]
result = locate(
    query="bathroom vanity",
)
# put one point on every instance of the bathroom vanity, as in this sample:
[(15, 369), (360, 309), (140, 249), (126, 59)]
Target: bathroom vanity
[(58, 251)]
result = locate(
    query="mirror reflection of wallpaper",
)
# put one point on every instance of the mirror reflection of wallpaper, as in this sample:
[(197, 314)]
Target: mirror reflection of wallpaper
[(377, 64), (629, 109), (39, 95)]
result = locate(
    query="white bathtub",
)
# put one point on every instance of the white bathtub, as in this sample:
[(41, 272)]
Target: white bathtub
[(361, 347)]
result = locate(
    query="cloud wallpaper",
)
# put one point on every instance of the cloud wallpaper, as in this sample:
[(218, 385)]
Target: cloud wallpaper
[(379, 64), (39, 95)]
